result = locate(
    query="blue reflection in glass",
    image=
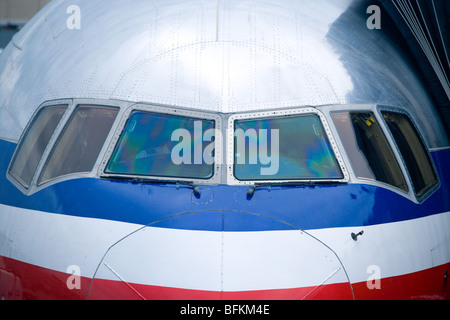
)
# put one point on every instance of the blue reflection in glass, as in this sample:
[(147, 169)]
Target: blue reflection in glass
[(145, 147), (304, 151)]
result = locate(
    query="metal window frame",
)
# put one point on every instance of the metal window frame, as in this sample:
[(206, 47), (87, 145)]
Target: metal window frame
[(280, 113), (167, 110), (328, 110), (61, 134), (376, 110), (224, 144), (436, 186), (59, 130), (32, 186)]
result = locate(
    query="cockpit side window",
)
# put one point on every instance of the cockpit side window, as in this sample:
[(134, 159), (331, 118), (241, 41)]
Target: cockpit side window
[(80, 143), (368, 149), (413, 151), (34, 143)]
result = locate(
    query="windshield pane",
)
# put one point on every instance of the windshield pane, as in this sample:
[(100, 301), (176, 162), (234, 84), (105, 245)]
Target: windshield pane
[(34, 143), (413, 151), (79, 145), (162, 145), (368, 149), (289, 148)]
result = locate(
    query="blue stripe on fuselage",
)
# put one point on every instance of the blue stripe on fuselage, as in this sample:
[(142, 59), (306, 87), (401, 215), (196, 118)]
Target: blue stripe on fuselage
[(226, 208)]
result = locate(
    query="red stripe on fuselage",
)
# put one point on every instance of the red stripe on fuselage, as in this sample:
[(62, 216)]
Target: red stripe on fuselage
[(20, 280)]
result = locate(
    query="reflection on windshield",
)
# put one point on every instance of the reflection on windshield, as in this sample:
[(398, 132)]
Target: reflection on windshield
[(146, 147), (304, 151)]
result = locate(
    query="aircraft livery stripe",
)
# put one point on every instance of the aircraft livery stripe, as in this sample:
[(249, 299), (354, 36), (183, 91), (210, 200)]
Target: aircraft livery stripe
[(426, 284), (285, 207), (222, 261)]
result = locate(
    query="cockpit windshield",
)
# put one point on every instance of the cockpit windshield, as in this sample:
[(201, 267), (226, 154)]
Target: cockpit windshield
[(162, 145), (283, 148), (73, 138)]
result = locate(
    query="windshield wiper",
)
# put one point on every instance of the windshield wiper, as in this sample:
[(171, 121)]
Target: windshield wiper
[(194, 187), (190, 184), (257, 185)]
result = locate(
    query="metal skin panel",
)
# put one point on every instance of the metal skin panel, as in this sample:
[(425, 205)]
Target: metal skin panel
[(224, 56)]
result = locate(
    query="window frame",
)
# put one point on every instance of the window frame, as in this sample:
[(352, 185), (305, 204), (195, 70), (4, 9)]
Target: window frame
[(436, 186), (26, 134), (376, 110), (32, 186), (395, 152), (353, 177), (165, 110), (224, 148), (61, 135), (280, 113), (59, 130)]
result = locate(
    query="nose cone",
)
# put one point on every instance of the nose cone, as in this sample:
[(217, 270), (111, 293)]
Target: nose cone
[(157, 262)]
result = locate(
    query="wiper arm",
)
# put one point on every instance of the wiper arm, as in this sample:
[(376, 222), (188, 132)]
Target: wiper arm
[(177, 182), (254, 186), (190, 184)]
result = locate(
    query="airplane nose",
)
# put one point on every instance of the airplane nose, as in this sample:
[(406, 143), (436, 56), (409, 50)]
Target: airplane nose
[(161, 262)]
